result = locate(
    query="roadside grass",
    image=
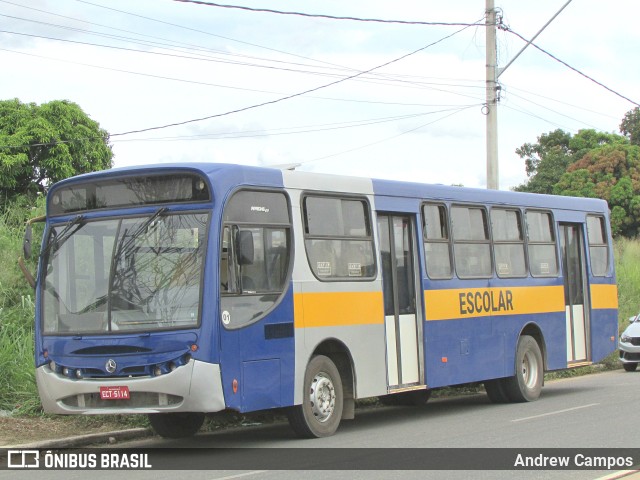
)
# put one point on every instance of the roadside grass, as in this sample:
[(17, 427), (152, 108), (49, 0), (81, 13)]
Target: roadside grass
[(18, 392)]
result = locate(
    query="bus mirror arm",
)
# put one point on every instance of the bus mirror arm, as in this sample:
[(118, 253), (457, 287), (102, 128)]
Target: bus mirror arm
[(26, 250), (27, 274)]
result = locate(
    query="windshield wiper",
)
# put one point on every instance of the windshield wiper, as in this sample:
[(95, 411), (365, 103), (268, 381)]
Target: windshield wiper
[(123, 247), (58, 240)]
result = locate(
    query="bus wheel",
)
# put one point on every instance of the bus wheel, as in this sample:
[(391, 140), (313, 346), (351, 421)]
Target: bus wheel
[(415, 398), (322, 401), (630, 367), (496, 390), (176, 425), (526, 384)]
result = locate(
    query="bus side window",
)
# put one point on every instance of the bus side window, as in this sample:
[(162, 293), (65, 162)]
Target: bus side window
[(436, 241), (338, 238), (254, 255), (508, 242), (471, 242), (543, 259), (598, 248)]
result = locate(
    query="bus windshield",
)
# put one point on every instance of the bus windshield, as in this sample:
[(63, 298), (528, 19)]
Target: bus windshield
[(132, 274)]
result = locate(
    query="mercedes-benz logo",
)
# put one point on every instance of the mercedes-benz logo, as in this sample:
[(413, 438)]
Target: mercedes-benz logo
[(111, 365)]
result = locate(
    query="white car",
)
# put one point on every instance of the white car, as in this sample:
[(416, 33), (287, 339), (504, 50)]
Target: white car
[(630, 345)]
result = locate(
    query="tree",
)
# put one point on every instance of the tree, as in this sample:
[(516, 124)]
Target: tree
[(545, 161), (630, 126), (42, 144), (588, 164), (610, 172)]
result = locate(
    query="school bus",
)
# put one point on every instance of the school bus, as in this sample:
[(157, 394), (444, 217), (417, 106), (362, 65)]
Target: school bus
[(178, 290)]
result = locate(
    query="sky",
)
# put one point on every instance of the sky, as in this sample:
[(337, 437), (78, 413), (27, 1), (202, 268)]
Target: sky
[(389, 100)]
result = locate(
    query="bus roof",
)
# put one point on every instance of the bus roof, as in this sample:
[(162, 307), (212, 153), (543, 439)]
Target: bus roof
[(225, 177)]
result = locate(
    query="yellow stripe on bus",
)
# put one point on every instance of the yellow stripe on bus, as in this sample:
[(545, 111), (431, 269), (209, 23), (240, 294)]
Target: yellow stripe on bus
[(604, 296), (483, 302), (328, 309)]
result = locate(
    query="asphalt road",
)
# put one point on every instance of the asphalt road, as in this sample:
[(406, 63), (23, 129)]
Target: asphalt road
[(594, 411)]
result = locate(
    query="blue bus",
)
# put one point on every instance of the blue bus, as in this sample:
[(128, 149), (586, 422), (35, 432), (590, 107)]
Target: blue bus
[(186, 289)]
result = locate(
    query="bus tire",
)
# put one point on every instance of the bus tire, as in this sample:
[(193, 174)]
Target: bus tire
[(415, 398), (630, 367), (496, 390), (176, 425), (322, 401), (526, 384)]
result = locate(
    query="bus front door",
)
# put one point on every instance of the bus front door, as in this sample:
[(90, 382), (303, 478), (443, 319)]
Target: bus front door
[(575, 288), (397, 250)]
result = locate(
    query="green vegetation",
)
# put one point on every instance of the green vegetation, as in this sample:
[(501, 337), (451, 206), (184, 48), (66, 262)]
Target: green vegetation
[(42, 144), (17, 382)]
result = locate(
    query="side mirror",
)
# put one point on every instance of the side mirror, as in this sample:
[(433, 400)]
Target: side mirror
[(245, 247), (26, 250), (26, 243), (633, 319)]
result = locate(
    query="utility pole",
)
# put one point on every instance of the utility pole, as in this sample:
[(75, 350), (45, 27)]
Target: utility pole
[(492, 97), (493, 72)]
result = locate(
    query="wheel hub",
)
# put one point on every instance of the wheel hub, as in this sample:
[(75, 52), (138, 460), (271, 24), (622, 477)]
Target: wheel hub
[(322, 396), (529, 370)]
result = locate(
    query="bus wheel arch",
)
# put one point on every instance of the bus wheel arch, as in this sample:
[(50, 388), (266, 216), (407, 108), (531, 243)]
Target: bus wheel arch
[(533, 330), (328, 392), (341, 357)]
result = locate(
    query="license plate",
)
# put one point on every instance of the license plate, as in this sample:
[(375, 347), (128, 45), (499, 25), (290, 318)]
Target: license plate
[(115, 393)]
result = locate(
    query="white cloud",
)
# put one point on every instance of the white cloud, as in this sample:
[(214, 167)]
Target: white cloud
[(540, 94)]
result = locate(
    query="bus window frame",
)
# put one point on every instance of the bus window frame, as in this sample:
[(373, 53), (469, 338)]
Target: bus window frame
[(522, 242), (289, 230), (370, 238), (605, 244), (488, 241), (556, 243), (448, 241)]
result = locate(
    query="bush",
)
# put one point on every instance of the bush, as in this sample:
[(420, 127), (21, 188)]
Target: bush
[(18, 391)]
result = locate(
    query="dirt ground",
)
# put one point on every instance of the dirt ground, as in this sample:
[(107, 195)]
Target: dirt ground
[(22, 430)]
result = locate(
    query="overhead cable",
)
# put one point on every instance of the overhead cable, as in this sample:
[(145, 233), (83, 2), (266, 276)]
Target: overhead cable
[(288, 97), (573, 68), (329, 17)]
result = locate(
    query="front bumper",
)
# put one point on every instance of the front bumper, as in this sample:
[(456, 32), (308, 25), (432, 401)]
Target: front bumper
[(194, 387), (629, 353)]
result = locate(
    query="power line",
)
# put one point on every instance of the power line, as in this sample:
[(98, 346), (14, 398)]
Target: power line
[(380, 81), (573, 68), (552, 110), (217, 85), (393, 77), (388, 138), (295, 130), (329, 17), (579, 107), (288, 97)]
